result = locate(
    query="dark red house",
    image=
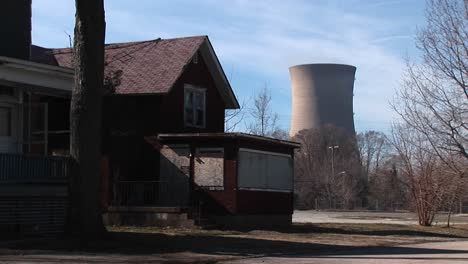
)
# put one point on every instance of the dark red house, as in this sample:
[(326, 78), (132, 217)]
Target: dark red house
[(165, 153), (165, 143)]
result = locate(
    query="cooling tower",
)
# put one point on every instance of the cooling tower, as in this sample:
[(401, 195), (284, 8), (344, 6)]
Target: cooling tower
[(322, 94)]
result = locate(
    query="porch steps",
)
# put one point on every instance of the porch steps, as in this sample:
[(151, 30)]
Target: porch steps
[(202, 221), (157, 216)]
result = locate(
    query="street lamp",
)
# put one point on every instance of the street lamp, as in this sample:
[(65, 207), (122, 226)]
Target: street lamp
[(333, 158), (332, 171)]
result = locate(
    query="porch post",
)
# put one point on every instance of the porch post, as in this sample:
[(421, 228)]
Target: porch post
[(192, 174), (29, 122), (46, 128)]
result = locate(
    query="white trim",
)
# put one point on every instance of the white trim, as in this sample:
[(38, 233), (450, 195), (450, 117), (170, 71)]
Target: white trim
[(265, 152), (26, 73), (217, 72), (46, 128), (35, 66), (12, 141)]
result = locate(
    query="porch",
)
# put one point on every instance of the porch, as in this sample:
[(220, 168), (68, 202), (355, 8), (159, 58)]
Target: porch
[(34, 130), (226, 178), (34, 107), (33, 195)]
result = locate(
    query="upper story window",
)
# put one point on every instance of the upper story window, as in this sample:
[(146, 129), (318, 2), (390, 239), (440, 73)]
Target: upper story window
[(5, 121), (194, 106)]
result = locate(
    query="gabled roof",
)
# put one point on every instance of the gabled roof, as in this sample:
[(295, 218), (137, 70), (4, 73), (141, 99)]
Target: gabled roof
[(150, 67)]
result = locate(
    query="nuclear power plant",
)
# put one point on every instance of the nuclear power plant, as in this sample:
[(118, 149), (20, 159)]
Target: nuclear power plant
[(322, 94)]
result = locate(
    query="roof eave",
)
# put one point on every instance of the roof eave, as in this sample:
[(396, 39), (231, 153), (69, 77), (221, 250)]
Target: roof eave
[(221, 81), (36, 76), (288, 143)]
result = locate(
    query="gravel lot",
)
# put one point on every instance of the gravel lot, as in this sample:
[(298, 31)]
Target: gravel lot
[(366, 217)]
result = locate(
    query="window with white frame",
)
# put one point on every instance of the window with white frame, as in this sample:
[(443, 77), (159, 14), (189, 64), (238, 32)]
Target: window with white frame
[(194, 106), (5, 121)]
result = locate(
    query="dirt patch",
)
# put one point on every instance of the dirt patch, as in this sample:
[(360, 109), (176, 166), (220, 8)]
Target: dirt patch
[(137, 244)]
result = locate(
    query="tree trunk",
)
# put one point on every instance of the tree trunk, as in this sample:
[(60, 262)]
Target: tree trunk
[(85, 118)]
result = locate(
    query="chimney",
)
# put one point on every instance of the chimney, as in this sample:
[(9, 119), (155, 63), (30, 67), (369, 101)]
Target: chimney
[(15, 28)]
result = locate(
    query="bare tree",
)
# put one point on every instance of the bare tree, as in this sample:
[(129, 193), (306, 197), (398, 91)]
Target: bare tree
[(233, 118), (429, 178), (327, 174), (373, 148), (433, 104), (85, 117), (265, 120), (386, 189), (280, 133), (434, 96), (374, 156)]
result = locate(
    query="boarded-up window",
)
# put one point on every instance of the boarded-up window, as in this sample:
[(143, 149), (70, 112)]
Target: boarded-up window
[(265, 170), (209, 168)]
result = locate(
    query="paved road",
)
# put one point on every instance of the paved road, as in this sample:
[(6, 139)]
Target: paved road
[(441, 252)]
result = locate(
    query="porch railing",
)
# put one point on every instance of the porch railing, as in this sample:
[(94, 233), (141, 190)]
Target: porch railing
[(149, 193), (26, 168)]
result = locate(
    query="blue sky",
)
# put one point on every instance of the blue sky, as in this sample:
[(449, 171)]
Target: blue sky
[(257, 41)]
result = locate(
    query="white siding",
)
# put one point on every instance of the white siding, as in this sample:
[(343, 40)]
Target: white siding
[(10, 114)]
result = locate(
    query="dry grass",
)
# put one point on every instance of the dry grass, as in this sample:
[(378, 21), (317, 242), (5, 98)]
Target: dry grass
[(324, 234), (169, 245)]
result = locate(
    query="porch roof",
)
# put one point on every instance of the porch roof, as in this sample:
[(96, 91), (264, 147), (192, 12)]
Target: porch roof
[(35, 76), (228, 136)]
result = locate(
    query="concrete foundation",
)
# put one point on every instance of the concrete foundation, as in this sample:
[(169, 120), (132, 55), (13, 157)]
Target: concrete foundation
[(147, 216), (263, 221)]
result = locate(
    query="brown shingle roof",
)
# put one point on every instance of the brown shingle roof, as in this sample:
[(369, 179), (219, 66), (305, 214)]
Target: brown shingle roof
[(147, 67)]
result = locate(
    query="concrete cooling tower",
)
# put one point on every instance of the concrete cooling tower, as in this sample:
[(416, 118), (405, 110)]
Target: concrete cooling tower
[(322, 94)]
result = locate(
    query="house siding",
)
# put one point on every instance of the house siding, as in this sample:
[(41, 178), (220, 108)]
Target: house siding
[(172, 105), (264, 202), (151, 114)]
